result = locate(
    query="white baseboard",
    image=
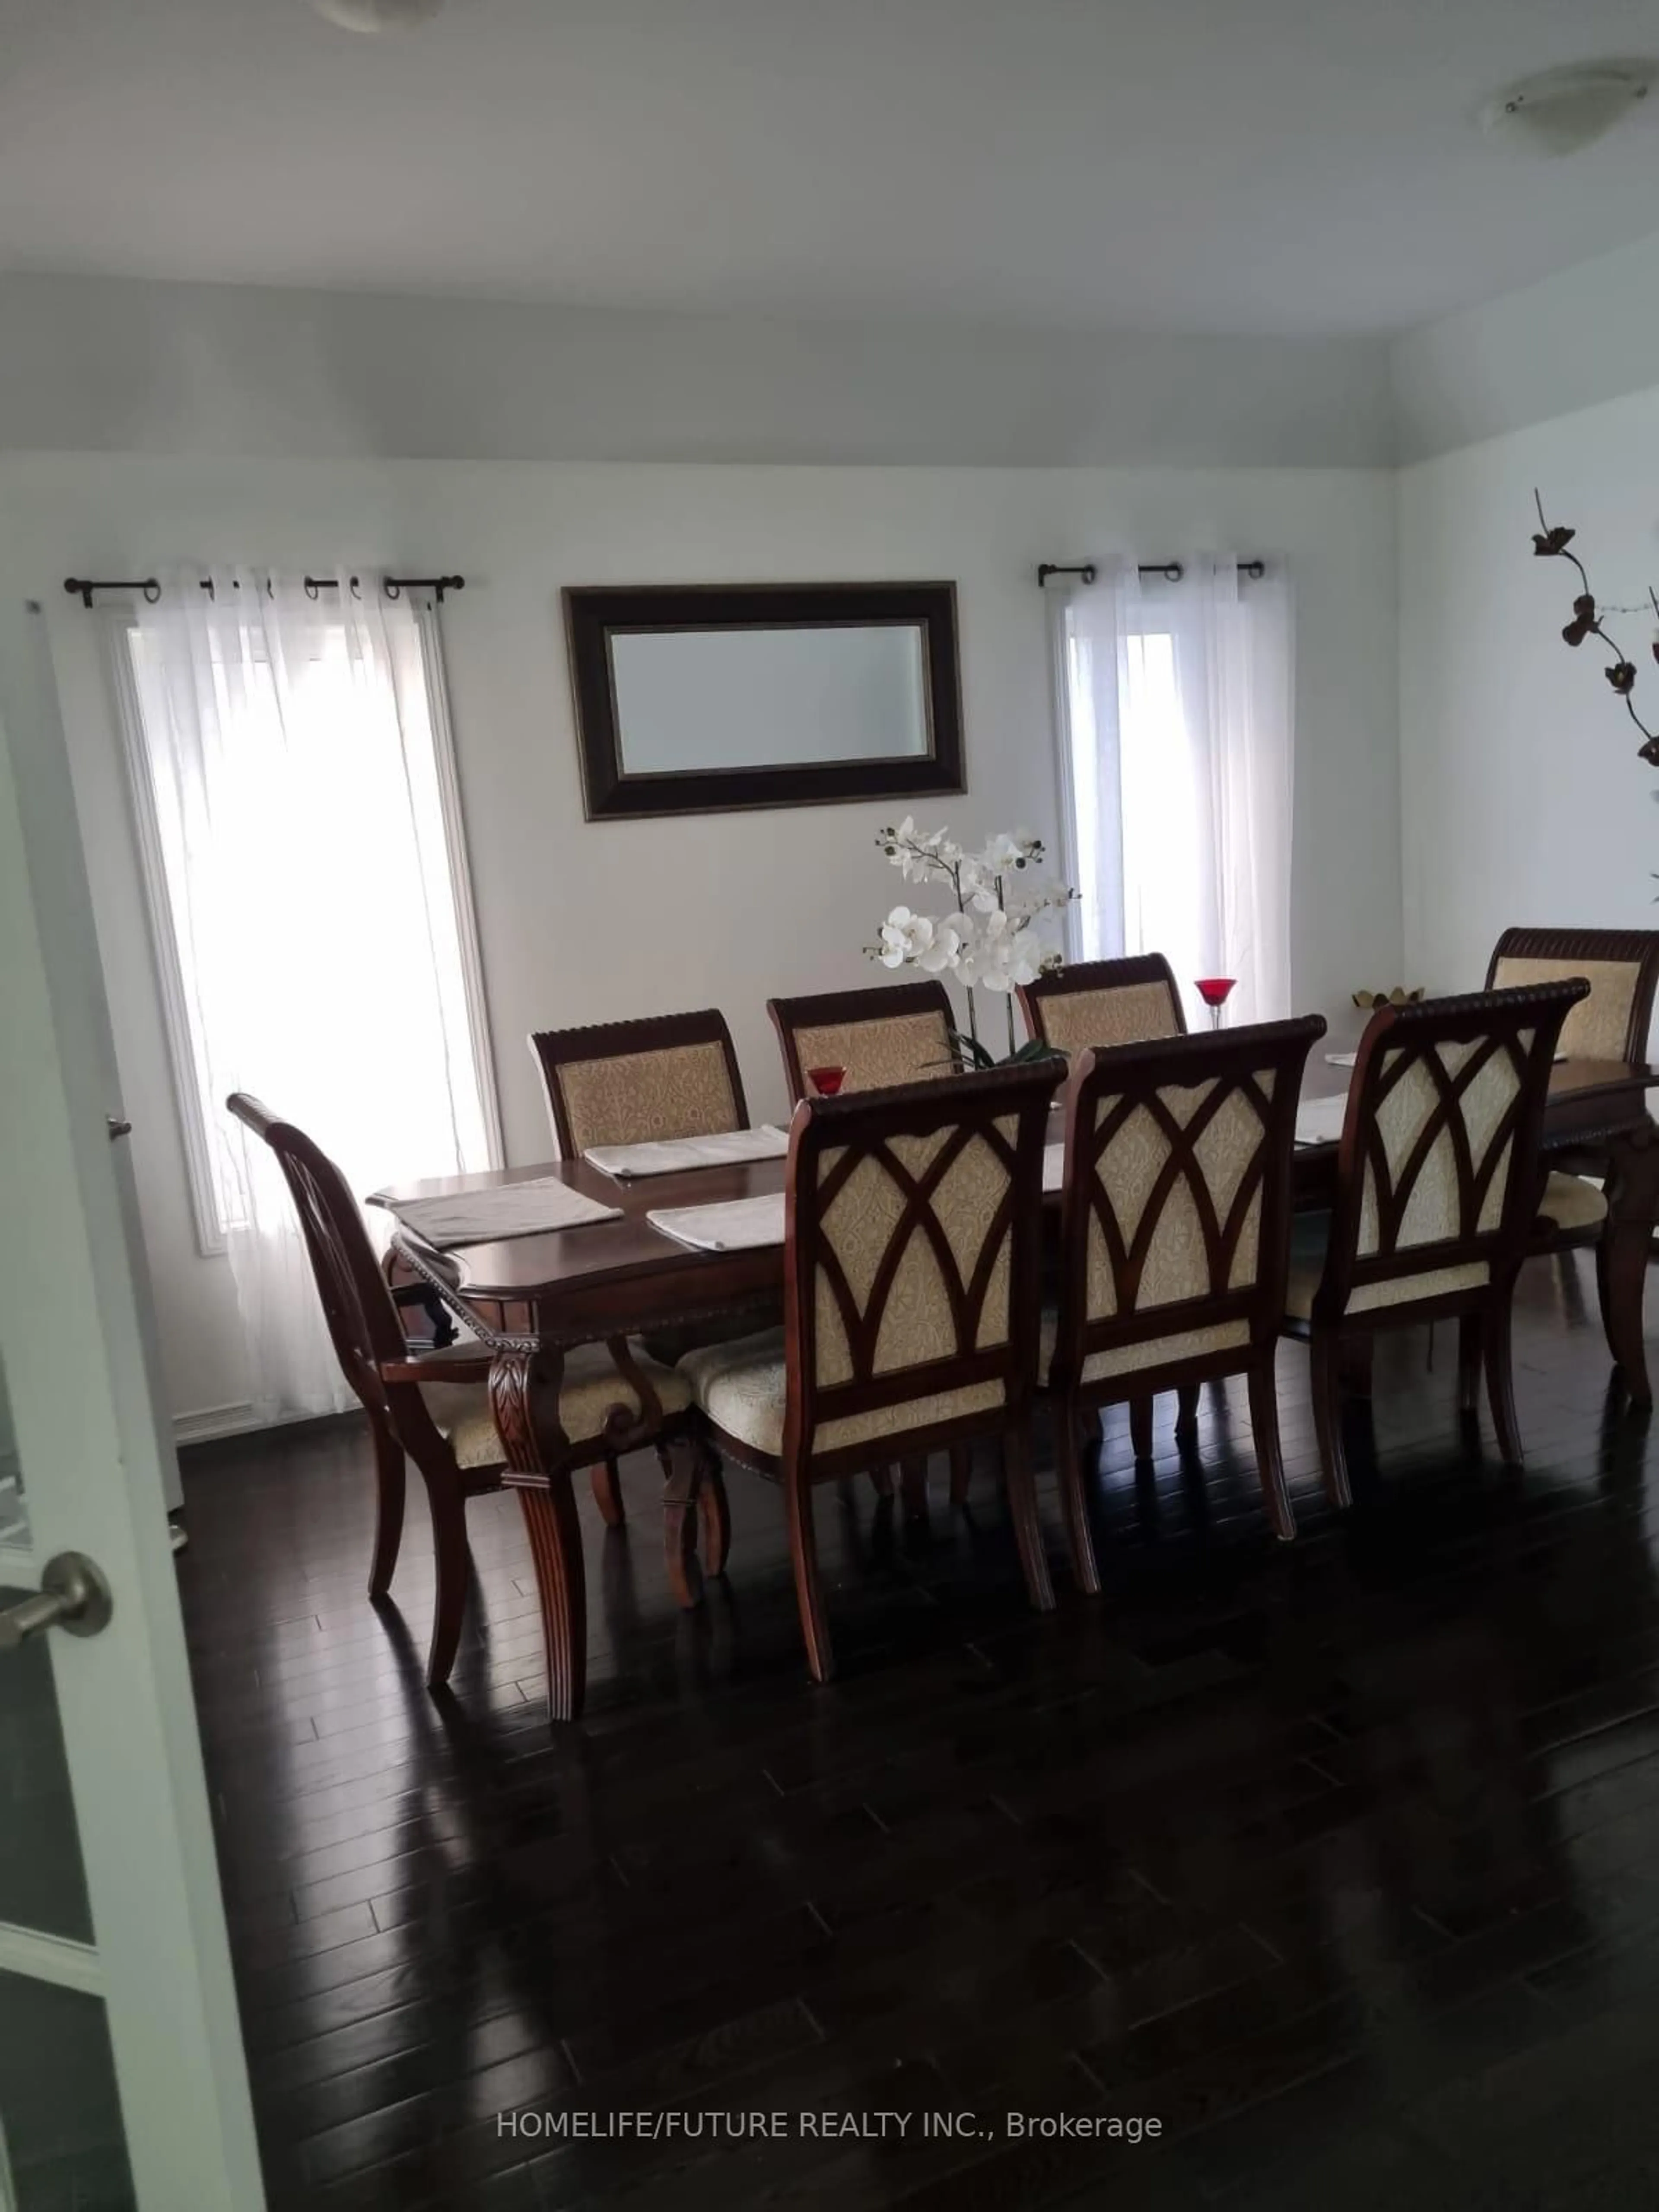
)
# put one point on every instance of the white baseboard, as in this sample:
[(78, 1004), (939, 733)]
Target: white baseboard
[(209, 1423)]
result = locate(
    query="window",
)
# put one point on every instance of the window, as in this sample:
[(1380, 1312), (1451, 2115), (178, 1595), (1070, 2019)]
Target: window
[(301, 835), (1173, 704)]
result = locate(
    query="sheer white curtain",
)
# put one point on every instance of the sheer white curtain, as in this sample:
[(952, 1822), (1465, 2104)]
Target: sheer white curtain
[(319, 916), (1174, 708)]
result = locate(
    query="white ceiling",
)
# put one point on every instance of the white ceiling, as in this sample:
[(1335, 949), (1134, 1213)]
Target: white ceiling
[(1267, 166)]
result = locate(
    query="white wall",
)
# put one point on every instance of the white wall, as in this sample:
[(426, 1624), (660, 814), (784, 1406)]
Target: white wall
[(582, 922), (1522, 798)]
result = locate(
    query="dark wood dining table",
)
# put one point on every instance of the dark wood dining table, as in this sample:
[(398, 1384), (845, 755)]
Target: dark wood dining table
[(527, 1295)]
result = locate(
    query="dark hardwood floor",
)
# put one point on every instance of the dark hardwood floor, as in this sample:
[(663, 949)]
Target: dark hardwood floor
[(1338, 1860)]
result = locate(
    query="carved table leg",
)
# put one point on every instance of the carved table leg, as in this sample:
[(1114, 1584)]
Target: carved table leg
[(522, 1386), (1633, 1188)]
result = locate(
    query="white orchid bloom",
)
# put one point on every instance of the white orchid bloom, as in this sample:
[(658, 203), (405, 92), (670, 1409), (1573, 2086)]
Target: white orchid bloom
[(1002, 854), (1028, 956), (904, 936), (943, 950)]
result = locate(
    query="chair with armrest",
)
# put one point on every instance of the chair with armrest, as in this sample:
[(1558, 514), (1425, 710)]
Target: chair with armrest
[(910, 1304), (1104, 1002), (1174, 1239), (434, 1406), (1437, 1181)]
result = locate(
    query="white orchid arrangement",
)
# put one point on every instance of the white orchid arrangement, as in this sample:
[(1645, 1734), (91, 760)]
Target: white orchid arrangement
[(1003, 928)]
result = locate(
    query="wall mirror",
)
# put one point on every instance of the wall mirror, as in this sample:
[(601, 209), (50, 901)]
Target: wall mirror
[(696, 699)]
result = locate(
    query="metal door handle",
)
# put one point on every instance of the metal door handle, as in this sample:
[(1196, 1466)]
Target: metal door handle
[(73, 1595), (117, 1128)]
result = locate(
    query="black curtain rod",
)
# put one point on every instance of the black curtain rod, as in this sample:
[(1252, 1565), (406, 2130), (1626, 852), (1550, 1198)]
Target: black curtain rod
[(149, 587), (1171, 571)]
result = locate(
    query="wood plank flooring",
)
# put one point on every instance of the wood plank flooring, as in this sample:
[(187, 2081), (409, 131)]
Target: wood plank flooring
[(1338, 1859)]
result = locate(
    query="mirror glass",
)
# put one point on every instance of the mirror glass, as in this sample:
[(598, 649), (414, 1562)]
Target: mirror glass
[(689, 700)]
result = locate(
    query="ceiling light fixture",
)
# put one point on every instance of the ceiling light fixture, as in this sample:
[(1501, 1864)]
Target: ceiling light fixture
[(377, 14), (1564, 110)]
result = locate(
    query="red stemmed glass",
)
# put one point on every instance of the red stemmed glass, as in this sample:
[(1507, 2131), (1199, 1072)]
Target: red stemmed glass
[(826, 1081), (1215, 991)]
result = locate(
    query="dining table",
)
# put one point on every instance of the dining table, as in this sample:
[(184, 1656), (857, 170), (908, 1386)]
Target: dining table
[(528, 1296)]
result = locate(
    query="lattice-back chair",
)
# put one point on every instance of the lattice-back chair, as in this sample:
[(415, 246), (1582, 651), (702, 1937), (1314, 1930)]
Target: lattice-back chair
[(895, 1033), (1104, 1002), (1174, 1239), (910, 1303), (1621, 967), (435, 1406), (1436, 1182), (640, 1082)]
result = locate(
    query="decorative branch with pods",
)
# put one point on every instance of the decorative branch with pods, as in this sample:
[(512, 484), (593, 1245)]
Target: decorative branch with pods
[(1551, 545)]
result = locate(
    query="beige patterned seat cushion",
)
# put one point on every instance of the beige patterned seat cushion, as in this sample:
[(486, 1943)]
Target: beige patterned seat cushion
[(1153, 1351), (648, 1097), (742, 1388), (1598, 1027), (881, 1053), (1133, 1013), (1571, 1202), (1310, 1235), (590, 1387)]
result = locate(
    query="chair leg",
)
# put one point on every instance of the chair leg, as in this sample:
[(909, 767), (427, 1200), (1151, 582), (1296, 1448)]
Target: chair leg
[(606, 1479), (389, 1509), (556, 1546), (912, 1484), (1074, 1504), (809, 1593), (1324, 1362), (717, 1513), (1468, 1364), (1141, 1427), (453, 1563), (1092, 1429), (1028, 1527), (1186, 1399), (1500, 1383), (1269, 1458), (881, 1481), (683, 1472), (962, 1472)]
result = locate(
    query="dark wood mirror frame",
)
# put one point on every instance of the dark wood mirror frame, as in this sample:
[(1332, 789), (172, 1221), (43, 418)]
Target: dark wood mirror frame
[(595, 614)]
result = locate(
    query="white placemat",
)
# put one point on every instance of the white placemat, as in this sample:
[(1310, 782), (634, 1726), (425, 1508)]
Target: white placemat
[(740, 1225), (1054, 1166), (1319, 1120), (510, 1209), (731, 1148)]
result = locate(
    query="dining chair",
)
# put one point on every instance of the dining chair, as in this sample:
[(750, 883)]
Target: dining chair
[(1436, 1180), (1621, 967), (644, 1081), (1174, 1240), (1104, 1002), (640, 1082), (434, 1406), (911, 1309), (893, 1033)]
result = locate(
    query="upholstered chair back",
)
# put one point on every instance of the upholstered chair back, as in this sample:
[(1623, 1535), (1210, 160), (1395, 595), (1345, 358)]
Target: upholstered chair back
[(915, 1221), (1104, 1002), (897, 1033), (1621, 967), (1176, 1200), (1440, 1167), (640, 1082)]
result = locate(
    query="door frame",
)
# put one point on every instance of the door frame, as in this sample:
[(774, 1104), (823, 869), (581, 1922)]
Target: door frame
[(92, 1453)]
